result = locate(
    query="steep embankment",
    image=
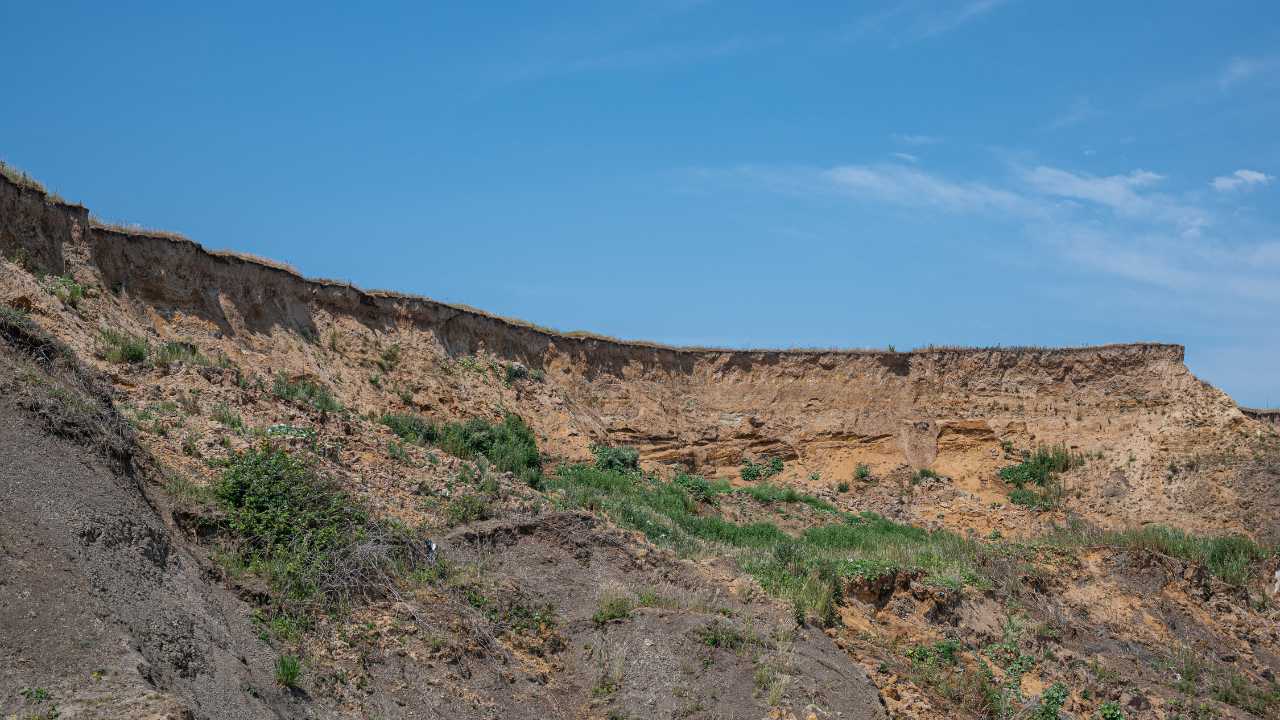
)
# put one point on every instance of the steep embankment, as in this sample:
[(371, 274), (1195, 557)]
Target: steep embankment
[(591, 591), (1165, 446)]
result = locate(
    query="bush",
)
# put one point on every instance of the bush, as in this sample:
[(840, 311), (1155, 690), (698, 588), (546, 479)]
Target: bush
[(753, 471), (509, 445), (1039, 467), (411, 428), (1040, 502), (467, 508), (767, 493), (228, 417), (613, 608), (316, 545), (514, 372), (863, 471), (120, 347), (701, 489), (173, 352), (616, 459), (303, 391), (1051, 702), (288, 671), (924, 474), (1110, 711), (389, 359), (67, 290), (720, 635)]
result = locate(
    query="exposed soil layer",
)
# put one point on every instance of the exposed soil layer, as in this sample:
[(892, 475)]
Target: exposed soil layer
[(115, 602)]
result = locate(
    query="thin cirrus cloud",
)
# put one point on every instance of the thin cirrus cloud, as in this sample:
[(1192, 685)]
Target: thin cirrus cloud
[(1242, 179), (914, 21), (915, 140), (1241, 69), (1121, 225)]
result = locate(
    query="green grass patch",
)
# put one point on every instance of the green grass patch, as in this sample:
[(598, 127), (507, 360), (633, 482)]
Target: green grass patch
[(508, 445), (752, 471), (288, 671), (305, 392), (768, 493), (1040, 466), (174, 352), (1229, 557), (316, 545), (810, 569), (121, 347)]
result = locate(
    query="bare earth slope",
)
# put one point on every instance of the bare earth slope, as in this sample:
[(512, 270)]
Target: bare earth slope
[(513, 622)]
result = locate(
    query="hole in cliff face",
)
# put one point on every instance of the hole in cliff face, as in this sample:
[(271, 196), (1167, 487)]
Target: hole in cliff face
[(896, 363)]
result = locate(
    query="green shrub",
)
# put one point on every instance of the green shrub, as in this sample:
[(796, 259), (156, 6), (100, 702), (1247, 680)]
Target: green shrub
[(699, 488), (411, 428), (767, 493), (173, 352), (808, 569), (509, 445), (1110, 711), (396, 452), (943, 652), (120, 347), (862, 472), (316, 545), (924, 474), (613, 608), (303, 391), (1040, 502), (1039, 467), (67, 290), (842, 487), (228, 417), (753, 471), (514, 372), (389, 359), (288, 671), (1051, 702), (467, 508), (720, 635), (616, 459)]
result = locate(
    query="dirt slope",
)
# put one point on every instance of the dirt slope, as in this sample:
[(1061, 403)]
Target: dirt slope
[(115, 603), (1135, 407)]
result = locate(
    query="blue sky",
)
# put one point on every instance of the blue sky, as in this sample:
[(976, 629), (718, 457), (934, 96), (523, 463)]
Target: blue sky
[(852, 174)]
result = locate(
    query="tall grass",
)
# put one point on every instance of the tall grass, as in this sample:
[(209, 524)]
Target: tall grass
[(1229, 557), (305, 392)]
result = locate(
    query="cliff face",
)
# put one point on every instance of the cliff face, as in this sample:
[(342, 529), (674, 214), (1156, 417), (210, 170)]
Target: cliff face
[(1135, 409)]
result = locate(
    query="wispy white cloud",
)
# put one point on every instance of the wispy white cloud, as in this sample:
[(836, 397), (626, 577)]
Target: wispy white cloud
[(1081, 110), (1122, 225), (1123, 194), (938, 21), (908, 157), (907, 186), (1241, 180), (916, 20), (916, 140), (1242, 69)]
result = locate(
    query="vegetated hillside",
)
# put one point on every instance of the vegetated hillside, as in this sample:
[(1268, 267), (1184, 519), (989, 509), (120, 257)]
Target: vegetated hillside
[(983, 532)]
